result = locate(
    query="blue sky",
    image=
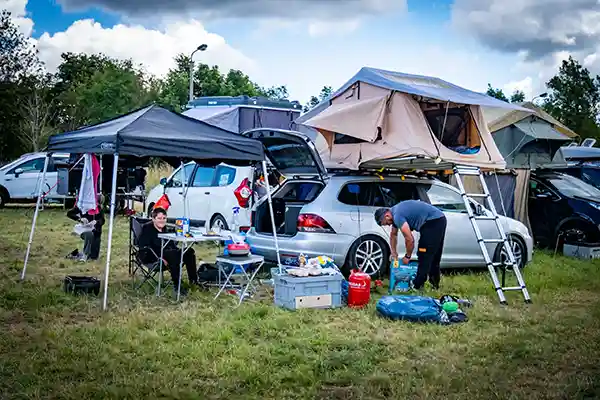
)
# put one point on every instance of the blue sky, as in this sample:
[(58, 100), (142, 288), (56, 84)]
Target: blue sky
[(467, 42)]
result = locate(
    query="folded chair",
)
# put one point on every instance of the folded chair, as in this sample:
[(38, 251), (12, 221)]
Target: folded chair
[(148, 271)]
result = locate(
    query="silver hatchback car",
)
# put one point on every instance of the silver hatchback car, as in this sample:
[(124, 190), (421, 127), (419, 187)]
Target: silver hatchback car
[(319, 213)]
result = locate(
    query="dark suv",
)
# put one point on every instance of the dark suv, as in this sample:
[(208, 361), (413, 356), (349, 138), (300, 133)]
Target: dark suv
[(562, 207)]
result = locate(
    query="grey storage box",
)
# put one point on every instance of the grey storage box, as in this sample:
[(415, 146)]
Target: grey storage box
[(582, 250), (294, 292)]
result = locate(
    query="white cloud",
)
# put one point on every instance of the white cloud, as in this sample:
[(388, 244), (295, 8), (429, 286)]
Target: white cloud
[(323, 28), (524, 85), (154, 49), (18, 15)]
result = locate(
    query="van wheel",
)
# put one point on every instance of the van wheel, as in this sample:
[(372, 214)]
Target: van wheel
[(369, 254), (218, 223)]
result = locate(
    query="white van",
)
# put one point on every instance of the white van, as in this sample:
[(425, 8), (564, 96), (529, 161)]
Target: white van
[(211, 195)]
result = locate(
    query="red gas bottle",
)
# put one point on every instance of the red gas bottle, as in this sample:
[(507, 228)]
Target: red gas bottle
[(359, 289)]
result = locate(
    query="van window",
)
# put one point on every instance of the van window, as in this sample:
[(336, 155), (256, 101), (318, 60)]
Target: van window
[(224, 176), (203, 177), (176, 179)]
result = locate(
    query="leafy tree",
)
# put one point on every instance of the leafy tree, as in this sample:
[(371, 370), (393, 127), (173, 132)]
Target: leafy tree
[(497, 93), (315, 100), (517, 97), (37, 112), (18, 64), (574, 98), (277, 93), (93, 88)]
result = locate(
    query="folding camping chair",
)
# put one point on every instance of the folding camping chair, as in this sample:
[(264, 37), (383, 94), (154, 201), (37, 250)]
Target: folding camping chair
[(149, 271), (244, 267)]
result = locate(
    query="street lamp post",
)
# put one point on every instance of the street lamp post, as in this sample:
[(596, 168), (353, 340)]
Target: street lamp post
[(202, 47), (541, 96)]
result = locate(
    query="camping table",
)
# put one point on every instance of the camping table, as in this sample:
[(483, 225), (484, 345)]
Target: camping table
[(234, 262), (186, 243)]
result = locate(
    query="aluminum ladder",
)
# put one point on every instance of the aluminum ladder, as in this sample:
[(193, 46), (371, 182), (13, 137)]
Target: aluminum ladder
[(459, 172)]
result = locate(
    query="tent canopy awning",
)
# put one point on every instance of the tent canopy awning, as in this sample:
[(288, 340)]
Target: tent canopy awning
[(157, 132)]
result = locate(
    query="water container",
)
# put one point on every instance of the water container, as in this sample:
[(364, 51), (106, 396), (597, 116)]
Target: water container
[(235, 220)]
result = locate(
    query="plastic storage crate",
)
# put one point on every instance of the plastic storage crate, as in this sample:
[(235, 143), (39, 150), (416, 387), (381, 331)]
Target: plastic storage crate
[(294, 292)]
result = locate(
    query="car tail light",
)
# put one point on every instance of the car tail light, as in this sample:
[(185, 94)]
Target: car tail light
[(243, 193), (313, 223)]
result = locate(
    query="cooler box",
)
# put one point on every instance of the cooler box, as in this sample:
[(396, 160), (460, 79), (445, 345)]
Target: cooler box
[(293, 292)]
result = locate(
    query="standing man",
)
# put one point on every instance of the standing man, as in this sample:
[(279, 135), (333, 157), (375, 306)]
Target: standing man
[(415, 215)]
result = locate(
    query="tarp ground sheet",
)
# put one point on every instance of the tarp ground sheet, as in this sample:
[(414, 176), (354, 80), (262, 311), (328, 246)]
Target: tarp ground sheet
[(157, 132)]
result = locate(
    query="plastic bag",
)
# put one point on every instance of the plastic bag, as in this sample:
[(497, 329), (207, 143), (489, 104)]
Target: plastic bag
[(411, 308)]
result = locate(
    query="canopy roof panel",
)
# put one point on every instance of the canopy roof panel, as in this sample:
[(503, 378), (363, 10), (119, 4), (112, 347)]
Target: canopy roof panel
[(157, 132)]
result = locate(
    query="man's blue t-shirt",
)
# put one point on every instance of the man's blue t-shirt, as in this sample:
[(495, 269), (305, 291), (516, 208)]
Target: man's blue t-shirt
[(415, 212)]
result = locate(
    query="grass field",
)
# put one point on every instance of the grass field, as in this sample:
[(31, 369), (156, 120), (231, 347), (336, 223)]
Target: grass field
[(54, 345)]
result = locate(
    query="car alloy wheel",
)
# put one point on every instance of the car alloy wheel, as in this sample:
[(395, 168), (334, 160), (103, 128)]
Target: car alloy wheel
[(517, 250), (369, 257), (218, 224)]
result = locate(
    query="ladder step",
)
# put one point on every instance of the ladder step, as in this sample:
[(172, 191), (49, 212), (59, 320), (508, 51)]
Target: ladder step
[(492, 240), (468, 172), (477, 195), (512, 288), (485, 218)]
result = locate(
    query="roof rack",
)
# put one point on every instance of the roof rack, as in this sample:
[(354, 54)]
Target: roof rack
[(381, 171)]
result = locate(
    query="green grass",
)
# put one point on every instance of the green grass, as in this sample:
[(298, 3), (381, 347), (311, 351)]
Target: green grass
[(54, 345)]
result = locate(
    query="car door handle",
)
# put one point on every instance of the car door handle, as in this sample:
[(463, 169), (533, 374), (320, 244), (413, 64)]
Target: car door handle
[(206, 192)]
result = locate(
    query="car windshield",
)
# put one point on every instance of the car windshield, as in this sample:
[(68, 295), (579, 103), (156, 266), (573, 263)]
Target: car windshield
[(574, 187)]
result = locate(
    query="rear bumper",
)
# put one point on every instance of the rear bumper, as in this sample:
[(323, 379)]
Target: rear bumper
[(310, 244)]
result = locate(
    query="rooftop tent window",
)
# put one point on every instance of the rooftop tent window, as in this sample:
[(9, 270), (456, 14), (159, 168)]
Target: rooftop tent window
[(345, 139), (459, 133)]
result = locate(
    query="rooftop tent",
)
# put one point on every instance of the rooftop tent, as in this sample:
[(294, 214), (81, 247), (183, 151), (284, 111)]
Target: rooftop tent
[(390, 119), (528, 140), (242, 113), (153, 132)]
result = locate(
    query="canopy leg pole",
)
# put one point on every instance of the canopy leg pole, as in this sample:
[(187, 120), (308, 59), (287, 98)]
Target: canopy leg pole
[(268, 187), (35, 214), (183, 189), (113, 196)]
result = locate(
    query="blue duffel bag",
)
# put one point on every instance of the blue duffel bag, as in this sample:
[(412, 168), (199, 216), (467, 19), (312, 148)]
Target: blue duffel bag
[(411, 308)]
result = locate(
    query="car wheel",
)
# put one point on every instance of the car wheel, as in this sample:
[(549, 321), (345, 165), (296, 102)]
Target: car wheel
[(3, 197), (369, 254), (218, 223), (574, 232), (518, 249)]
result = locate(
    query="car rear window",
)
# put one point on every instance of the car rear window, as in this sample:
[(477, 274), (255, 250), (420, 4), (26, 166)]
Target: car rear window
[(301, 192)]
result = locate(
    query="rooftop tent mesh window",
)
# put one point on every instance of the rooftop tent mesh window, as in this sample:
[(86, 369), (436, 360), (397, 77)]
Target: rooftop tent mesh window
[(459, 133), (340, 138)]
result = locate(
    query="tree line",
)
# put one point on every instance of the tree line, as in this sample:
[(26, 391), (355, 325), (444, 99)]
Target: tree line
[(572, 97), (89, 88)]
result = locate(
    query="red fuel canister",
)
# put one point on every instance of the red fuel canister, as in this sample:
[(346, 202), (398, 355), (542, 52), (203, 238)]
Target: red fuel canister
[(359, 289)]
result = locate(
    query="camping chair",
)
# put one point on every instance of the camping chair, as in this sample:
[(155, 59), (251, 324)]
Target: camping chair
[(149, 271)]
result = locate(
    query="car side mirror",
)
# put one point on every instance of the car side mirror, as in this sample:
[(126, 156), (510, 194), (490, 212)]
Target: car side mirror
[(18, 172), (543, 195), (163, 181), (478, 209)]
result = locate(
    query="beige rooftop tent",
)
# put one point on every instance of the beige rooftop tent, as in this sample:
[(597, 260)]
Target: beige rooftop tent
[(389, 119)]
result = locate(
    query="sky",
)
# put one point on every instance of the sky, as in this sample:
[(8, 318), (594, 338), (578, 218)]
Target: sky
[(307, 44)]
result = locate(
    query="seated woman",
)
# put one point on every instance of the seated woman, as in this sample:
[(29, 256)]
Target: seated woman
[(171, 253), (91, 240)]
